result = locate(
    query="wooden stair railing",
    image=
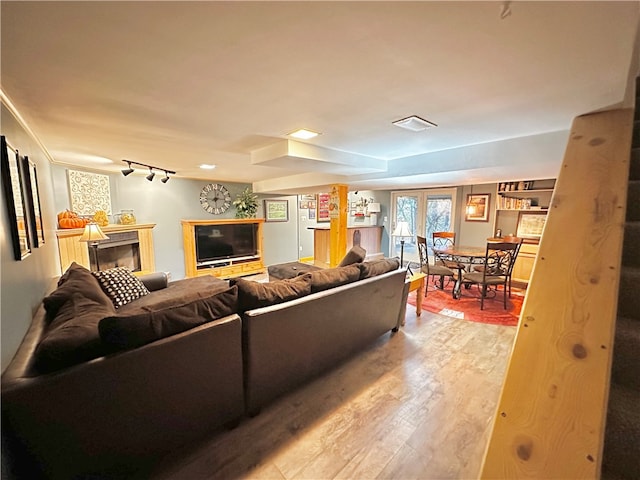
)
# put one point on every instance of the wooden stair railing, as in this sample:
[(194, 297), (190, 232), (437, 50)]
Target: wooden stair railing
[(551, 415)]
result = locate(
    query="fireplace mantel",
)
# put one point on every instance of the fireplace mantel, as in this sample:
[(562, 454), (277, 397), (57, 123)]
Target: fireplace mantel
[(71, 249)]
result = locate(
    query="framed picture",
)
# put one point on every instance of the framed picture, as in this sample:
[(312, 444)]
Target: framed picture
[(531, 224), (32, 195), (323, 207), (276, 210), (477, 207), (309, 198), (304, 204), (12, 186), (312, 214)]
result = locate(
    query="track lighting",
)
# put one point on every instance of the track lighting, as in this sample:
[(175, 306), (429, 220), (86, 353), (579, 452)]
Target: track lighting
[(127, 171), (152, 174)]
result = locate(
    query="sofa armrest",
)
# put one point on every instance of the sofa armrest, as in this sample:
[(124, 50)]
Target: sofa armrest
[(155, 281)]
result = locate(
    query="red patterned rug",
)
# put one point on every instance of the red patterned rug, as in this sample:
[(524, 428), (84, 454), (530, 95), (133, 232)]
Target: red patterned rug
[(468, 307)]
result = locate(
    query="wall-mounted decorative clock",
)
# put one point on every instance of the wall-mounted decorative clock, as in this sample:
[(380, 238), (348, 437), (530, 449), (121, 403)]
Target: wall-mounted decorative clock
[(215, 198)]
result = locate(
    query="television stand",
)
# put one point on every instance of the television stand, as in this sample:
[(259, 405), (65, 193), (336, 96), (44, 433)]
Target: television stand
[(225, 268)]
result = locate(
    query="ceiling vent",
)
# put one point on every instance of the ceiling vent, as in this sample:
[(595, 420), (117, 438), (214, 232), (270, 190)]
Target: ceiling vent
[(414, 123)]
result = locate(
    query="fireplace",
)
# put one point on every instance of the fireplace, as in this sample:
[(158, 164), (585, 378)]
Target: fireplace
[(128, 246), (120, 250)]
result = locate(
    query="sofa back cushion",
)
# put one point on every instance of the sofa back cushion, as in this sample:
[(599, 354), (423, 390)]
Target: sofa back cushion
[(253, 295), (76, 279), (126, 331), (378, 267), (72, 336), (333, 277), (357, 254)]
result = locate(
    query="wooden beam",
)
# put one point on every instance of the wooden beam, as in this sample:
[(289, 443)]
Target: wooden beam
[(338, 214), (551, 415)]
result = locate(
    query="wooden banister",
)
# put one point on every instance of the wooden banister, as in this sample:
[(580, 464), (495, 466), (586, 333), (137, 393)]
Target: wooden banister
[(551, 415)]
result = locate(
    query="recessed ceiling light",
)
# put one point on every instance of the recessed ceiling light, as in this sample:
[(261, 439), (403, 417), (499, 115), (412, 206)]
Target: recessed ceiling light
[(303, 133), (206, 166), (414, 123)]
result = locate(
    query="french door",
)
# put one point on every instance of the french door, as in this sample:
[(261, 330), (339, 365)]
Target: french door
[(425, 212)]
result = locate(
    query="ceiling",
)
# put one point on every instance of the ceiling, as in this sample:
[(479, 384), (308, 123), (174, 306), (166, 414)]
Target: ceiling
[(179, 84)]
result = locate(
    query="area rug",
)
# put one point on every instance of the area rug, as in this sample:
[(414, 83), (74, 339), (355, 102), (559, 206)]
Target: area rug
[(468, 307)]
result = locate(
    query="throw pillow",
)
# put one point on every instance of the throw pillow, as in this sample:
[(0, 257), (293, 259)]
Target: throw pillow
[(333, 277), (72, 337), (378, 267), (257, 295), (121, 285), (357, 254), (76, 279), (130, 331)]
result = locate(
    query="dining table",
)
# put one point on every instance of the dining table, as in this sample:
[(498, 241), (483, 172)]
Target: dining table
[(465, 257)]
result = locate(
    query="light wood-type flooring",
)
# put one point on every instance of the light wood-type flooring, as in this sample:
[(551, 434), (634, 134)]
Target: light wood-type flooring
[(417, 404)]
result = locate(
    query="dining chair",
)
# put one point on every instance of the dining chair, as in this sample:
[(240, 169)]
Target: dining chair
[(435, 269), (508, 239), (444, 240), (498, 264)]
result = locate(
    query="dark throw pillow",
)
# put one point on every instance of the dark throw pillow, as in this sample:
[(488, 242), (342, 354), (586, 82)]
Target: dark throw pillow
[(357, 254), (130, 331), (76, 279), (378, 267), (73, 336), (333, 277), (256, 295), (121, 285)]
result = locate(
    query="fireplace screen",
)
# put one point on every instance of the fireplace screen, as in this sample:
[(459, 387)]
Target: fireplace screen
[(120, 250)]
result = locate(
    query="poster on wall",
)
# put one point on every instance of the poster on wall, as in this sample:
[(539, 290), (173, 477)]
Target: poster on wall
[(89, 192), (334, 204), (323, 207)]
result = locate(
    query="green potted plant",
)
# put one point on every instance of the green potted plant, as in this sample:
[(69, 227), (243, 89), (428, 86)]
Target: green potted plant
[(246, 204)]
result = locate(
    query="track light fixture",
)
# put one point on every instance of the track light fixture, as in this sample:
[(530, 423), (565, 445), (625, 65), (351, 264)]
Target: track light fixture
[(127, 171), (152, 174)]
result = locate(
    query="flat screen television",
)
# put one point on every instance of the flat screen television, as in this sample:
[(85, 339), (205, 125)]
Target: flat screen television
[(222, 242)]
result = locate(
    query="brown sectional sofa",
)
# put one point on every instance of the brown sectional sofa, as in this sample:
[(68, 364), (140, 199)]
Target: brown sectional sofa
[(167, 371)]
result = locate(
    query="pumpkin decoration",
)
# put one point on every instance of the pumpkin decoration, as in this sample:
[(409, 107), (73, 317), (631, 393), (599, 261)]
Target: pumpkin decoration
[(100, 217), (69, 219)]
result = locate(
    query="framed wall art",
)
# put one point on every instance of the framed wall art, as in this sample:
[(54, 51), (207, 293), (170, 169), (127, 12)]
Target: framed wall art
[(89, 192), (32, 195), (14, 198), (531, 224), (477, 209), (276, 210), (323, 207)]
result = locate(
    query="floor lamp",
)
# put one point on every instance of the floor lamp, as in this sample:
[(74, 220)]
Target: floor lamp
[(402, 231), (93, 235)]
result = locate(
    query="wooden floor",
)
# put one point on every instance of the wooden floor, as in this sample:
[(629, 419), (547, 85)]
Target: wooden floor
[(415, 405)]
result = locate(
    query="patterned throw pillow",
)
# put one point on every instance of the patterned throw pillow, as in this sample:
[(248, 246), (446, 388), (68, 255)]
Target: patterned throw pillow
[(121, 285)]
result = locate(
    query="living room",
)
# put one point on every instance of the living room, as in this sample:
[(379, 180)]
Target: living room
[(535, 155)]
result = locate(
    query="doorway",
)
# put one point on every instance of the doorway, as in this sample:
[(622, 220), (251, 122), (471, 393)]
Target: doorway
[(425, 212)]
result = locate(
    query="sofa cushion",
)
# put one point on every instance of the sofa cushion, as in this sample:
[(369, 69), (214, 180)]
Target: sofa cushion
[(356, 254), (333, 277), (378, 267), (76, 279), (121, 285), (256, 295), (73, 335), (130, 331), (180, 291)]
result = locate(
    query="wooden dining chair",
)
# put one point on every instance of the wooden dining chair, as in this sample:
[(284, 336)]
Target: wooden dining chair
[(508, 239), (498, 264), (444, 240), (435, 269)]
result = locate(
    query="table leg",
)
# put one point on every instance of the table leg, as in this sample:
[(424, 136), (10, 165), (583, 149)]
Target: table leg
[(420, 296)]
